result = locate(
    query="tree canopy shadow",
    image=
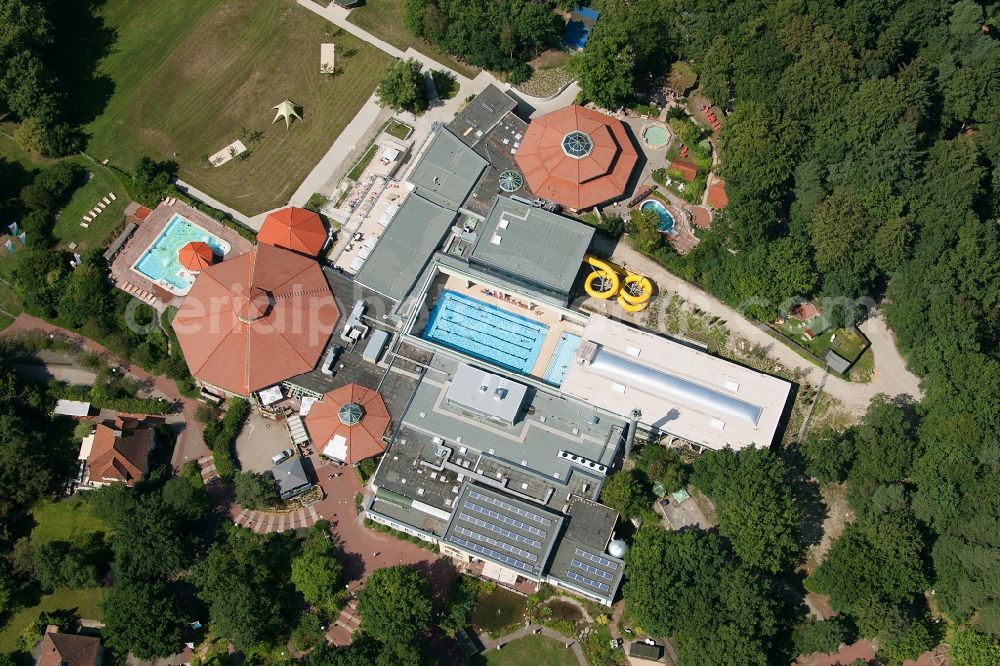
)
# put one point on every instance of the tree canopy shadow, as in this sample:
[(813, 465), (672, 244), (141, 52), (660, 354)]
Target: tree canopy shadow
[(81, 39)]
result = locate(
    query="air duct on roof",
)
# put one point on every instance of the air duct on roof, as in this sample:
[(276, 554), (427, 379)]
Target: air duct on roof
[(670, 386)]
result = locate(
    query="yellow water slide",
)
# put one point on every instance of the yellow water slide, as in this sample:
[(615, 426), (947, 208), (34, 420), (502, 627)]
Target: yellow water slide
[(602, 282), (635, 293)]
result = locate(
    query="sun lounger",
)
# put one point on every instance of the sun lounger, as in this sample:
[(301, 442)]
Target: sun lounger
[(84, 225), (107, 201), (112, 196), (93, 212), (87, 218), (102, 205)]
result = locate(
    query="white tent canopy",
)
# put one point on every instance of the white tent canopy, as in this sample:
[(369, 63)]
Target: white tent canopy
[(336, 448)]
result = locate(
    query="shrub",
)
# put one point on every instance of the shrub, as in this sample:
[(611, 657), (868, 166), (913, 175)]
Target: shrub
[(254, 491), (824, 637), (220, 436)]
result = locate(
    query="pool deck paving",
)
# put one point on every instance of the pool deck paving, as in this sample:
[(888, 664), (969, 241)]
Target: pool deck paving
[(147, 232)]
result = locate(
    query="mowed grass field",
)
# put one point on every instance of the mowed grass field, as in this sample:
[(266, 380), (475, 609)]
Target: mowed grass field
[(534, 650), (189, 75), (64, 521), (384, 19)]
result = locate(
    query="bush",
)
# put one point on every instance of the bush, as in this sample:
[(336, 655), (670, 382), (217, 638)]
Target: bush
[(824, 637), (519, 73), (254, 491), (402, 536), (366, 468), (221, 435), (152, 181), (402, 87)]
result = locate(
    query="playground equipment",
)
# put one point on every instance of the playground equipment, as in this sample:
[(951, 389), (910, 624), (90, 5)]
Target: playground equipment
[(635, 293), (602, 282)]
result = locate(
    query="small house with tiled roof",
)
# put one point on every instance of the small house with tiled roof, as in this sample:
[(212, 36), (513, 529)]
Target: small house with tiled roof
[(117, 451), (59, 649), (684, 169)]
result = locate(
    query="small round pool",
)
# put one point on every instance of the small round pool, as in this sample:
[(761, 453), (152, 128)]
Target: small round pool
[(655, 136), (666, 224)]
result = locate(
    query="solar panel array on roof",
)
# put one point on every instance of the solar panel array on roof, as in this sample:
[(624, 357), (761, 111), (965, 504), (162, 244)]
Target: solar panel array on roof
[(503, 529)]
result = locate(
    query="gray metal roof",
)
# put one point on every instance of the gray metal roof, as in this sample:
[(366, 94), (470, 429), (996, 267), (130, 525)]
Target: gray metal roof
[(836, 362), (590, 523), (667, 385), (486, 393), (291, 477), (447, 170), (405, 247), (532, 245), (502, 529)]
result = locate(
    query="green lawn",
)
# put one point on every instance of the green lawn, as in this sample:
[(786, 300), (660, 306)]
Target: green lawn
[(362, 163), (397, 129), (534, 650), (189, 75), (67, 228), (384, 19), (64, 520), (84, 603)]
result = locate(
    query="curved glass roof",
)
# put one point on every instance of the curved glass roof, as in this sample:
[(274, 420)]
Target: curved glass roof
[(351, 414), (577, 144), (671, 386)]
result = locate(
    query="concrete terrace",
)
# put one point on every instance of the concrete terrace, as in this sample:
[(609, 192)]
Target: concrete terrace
[(121, 267)]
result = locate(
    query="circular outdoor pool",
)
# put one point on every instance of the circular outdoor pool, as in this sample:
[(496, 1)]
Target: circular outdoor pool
[(655, 136), (666, 225)]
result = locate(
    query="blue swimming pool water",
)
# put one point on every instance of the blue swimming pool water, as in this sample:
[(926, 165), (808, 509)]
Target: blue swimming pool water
[(485, 331), (159, 262), (561, 358), (666, 224)]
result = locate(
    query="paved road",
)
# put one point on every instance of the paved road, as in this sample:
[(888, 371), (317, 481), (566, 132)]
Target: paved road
[(189, 444), (891, 375)]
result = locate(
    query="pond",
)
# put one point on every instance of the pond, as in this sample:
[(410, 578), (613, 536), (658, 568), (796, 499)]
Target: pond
[(497, 610), (564, 610)]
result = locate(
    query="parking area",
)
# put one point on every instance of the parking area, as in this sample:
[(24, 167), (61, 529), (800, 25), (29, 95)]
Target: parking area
[(260, 439)]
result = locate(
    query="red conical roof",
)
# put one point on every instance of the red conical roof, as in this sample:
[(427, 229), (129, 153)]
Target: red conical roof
[(195, 256), (293, 228), (362, 437)]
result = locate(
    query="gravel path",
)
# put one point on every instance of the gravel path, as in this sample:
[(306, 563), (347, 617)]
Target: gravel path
[(891, 376)]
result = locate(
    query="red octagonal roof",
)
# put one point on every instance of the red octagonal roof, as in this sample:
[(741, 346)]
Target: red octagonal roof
[(293, 228), (256, 319), (597, 176)]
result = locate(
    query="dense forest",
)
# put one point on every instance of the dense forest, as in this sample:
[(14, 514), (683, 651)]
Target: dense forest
[(859, 151)]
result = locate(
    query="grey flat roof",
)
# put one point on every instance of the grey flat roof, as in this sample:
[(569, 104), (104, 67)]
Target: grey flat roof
[(539, 246), (486, 393), (447, 170), (481, 114), (404, 248), (590, 523), (503, 529), (551, 424)]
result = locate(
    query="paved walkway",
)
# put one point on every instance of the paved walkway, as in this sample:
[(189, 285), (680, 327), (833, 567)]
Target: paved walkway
[(207, 199), (491, 644), (190, 443), (891, 376)]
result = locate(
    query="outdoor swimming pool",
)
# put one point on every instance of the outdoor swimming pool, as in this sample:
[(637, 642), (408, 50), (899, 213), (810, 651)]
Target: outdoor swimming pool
[(561, 358), (655, 136), (485, 331), (159, 262), (666, 225)]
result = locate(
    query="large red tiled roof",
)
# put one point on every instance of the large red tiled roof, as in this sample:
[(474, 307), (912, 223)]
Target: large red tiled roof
[(120, 451), (58, 649), (254, 320), (576, 183), (687, 169), (293, 228), (364, 439)]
